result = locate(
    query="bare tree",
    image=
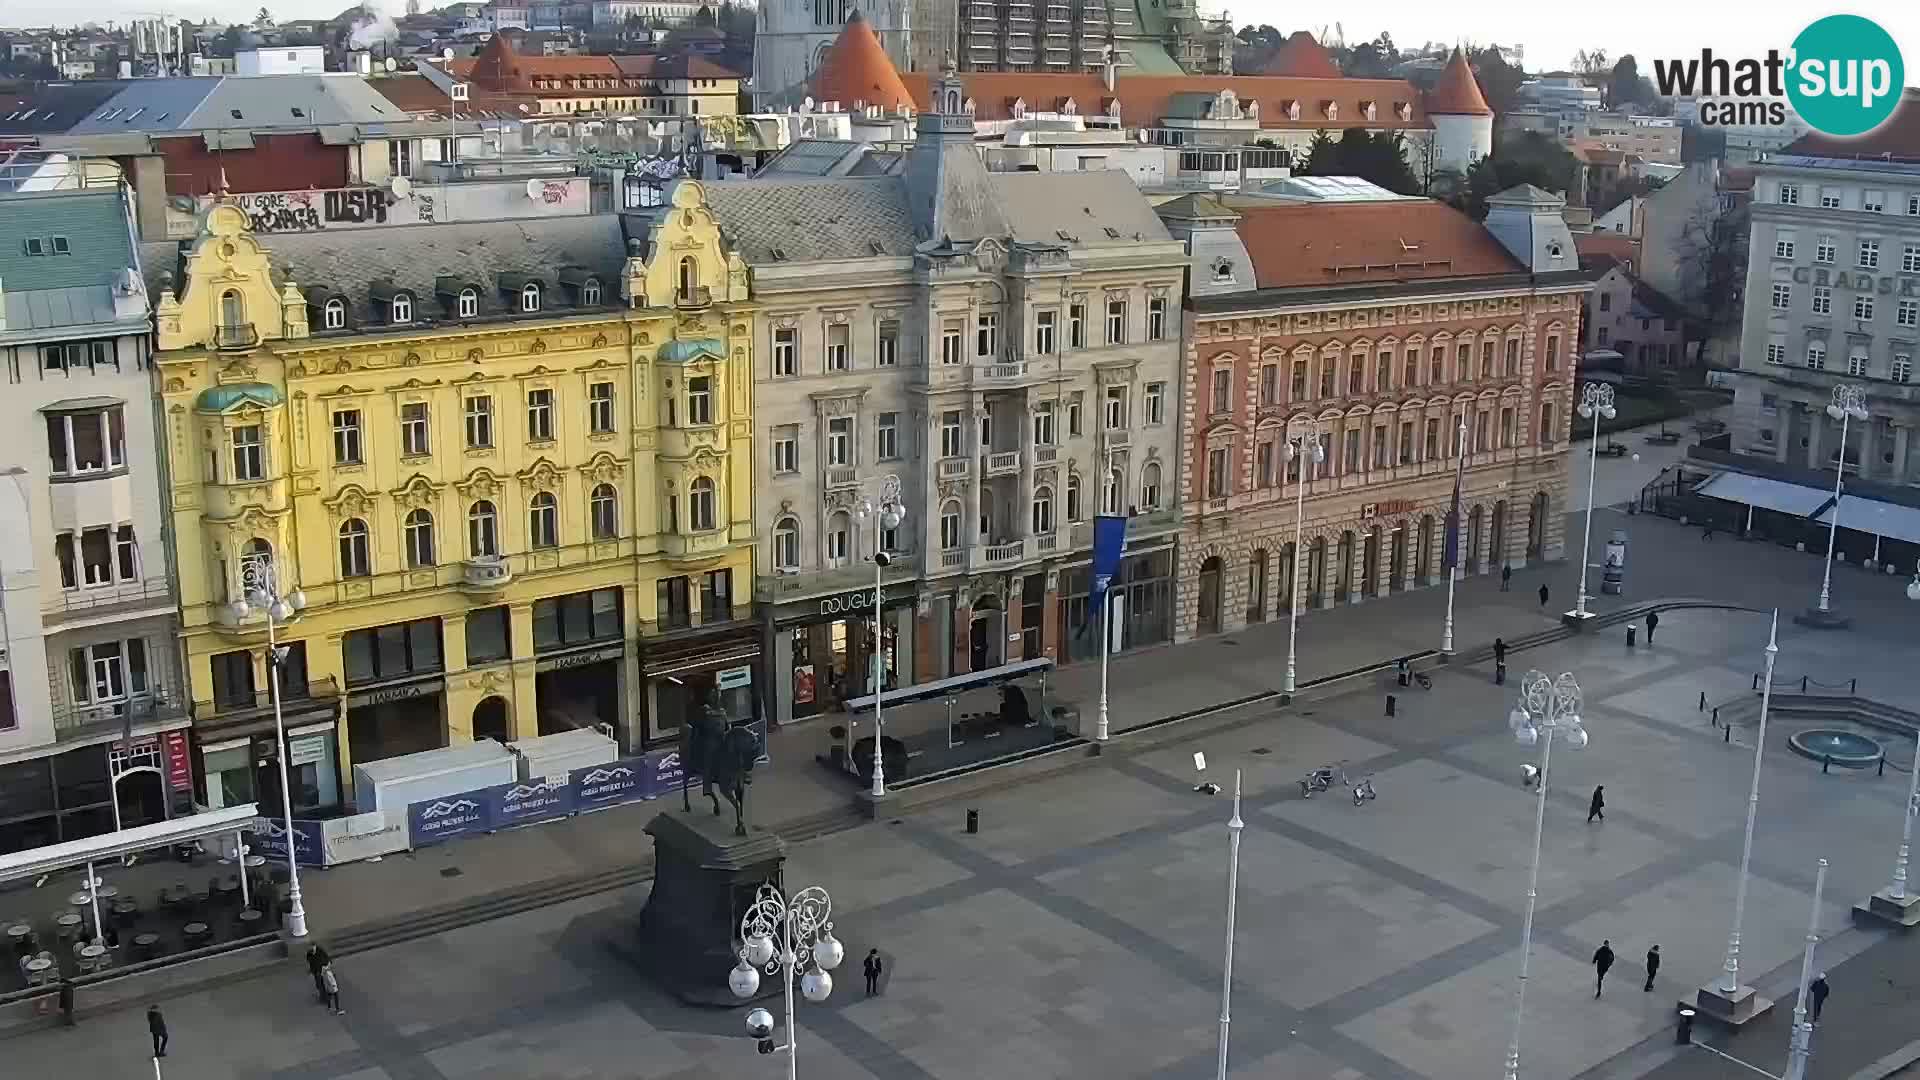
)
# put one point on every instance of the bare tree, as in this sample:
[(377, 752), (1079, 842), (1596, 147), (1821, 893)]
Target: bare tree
[(1712, 256)]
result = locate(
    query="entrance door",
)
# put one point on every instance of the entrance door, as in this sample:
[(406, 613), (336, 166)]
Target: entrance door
[(1209, 620), (1370, 563), (1537, 526), (490, 720), (1427, 554), (1343, 572), (985, 642), (1397, 565), (1317, 572), (1497, 554), (1475, 520), (1257, 587), (142, 794)]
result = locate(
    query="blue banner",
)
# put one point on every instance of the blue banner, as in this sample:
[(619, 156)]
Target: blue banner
[(1109, 540), (464, 814), (1450, 553), (533, 801), (615, 782), (666, 772), (309, 841)]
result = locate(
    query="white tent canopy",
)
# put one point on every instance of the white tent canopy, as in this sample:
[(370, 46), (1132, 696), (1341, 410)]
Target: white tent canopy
[(1767, 494), (1876, 517), (97, 849)]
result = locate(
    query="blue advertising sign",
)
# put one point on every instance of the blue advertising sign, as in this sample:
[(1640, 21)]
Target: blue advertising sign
[(615, 782), (309, 841), (446, 818), (666, 772), (535, 800)]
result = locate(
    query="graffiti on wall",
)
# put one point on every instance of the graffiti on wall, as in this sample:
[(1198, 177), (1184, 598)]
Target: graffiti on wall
[(310, 211)]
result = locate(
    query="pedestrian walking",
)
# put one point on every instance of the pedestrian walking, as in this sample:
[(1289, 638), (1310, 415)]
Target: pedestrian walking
[(157, 1025), (317, 960), (1506, 576), (1598, 807), (1543, 596), (872, 970), (66, 1002), (1500, 651), (1706, 533), (1602, 960), (330, 986), (1653, 967), (1817, 994), (1653, 623)]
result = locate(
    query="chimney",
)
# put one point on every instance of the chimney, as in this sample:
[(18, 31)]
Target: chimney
[(1107, 71)]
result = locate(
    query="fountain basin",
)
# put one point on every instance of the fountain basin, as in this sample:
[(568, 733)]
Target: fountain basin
[(1847, 749)]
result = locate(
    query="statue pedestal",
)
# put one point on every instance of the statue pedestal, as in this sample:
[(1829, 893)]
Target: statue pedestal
[(704, 880)]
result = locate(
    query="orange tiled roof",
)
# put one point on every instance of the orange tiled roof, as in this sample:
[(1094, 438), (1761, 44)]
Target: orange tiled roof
[(416, 95), (1458, 92), (1348, 243), (1614, 245), (1300, 56), (856, 69), (1144, 98)]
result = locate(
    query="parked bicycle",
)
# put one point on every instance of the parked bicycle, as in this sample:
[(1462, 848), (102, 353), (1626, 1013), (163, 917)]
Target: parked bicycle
[(1324, 778), (1363, 791)]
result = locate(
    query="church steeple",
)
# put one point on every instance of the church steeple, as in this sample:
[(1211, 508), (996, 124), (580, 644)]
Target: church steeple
[(952, 198), (951, 117)]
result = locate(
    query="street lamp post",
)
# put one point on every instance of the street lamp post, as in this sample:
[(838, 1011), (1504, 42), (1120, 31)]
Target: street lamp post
[(1547, 707), (1730, 982), (786, 936), (886, 515), (1801, 1045), (260, 590), (1234, 827), (1459, 479), (1596, 401), (1849, 404), (1307, 451)]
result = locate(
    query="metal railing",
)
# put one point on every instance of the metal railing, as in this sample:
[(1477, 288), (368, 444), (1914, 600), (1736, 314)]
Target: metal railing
[(243, 336), (95, 599), (698, 296), (1807, 684)]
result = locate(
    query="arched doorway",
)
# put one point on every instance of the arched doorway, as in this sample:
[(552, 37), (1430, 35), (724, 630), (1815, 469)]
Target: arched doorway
[(140, 795), (1397, 564), (1209, 599), (490, 720), (1289, 576), (1427, 554), (1370, 563), (1317, 572), (985, 644), (1343, 588), (1475, 522), (1537, 527), (1257, 586), (1497, 553)]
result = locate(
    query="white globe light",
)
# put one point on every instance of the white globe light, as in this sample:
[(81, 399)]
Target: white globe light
[(744, 981), (759, 950), (1913, 590), (281, 611), (298, 600), (1577, 738), (1526, 736), (815, 985), (1836, 411), (828, 952), (240, 609), (1516, 720), (890, 517), (1586, 412)]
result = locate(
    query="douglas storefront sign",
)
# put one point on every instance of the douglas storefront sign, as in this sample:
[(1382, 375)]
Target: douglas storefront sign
[(505, 806)]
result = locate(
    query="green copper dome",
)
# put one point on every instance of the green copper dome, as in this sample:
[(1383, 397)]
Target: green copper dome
[(680, 352), (221, 398)]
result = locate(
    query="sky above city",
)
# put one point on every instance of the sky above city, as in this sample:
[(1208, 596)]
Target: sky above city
[(1550, 33)]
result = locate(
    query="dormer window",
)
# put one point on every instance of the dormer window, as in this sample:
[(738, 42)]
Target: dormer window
[(334, 315), (401, 309), (1553, 249), (469, 303), (530, 297), (590, 293)]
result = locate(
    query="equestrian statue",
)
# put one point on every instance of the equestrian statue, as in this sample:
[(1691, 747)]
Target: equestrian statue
[(723, 754)]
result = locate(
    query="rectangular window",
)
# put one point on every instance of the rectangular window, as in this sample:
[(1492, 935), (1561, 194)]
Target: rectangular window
[(1869, 254), (1782, 296), (233, 679), (539, 416), (479, 418), (1269, 385), (1513, 357), (1222, 398), (1913, 206), (346, 437), (1902, 369), (1263, 464), (1863, 307), (886, 344), (489, 635), (1329, 371), (1606, 302), (1350, 458), (887, 440), (1817, 355), (1463, 362), (1825, 250), (786, 449), (700, 400), (126, 554), (395, 650), (952, 337), (1116, 412), (1553, 353), (1379, 458), (1073, 416), (716, 596), (416, 433), (1437, 373), (562, 622), (1406, 442), (1546, 424), (1873, 202), (1218, 480), (96, 556), (1783, 245), (1433, 438), (1116, 322), (1077, 326), (1356, 376), (1156, 403), (1910, 259), (1383, 373), (1909, 313), (1506, 427), (600, 408), (1822, 300), (1829, 198), (1486, 359), (1043, 424), (1790, 194), (247, 460), (952, 435), (786, 351), (1157, 318), (1857, 365), (84, 442), (1482, 432), (986, 342), (1298, 390), (839, 347), (1043, 332), (840, 441)]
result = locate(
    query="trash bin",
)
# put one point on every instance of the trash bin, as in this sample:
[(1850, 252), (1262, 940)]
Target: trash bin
[(973, 821), (1683, 1032), (1390, 704), (1631, 630)]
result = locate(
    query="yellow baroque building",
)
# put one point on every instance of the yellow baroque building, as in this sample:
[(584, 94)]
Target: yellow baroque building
[(500, 475)]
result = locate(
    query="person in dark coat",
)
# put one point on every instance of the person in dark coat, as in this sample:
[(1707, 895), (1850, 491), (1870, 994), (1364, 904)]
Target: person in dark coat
[(1543, 595), (1500, 651), (157, 1025), (1653, 623), (1653, 967), (1014, 711), (317, 959), (1817, 996), (1602, 960), (1506, 576), (1598, 807), (871, 968)]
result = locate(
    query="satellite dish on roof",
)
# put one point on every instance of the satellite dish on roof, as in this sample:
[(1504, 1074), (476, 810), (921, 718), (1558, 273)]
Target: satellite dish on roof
[(534, 188), (401, 187)]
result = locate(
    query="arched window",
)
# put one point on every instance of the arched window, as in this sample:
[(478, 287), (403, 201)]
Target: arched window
[(483, 530), (603, 507), (334, 315), (700, 504), (543, 521), (402, 309), (469, 305), (1150, 486), (839, 539), (419, 538), (530, 296), (355, 559), (590, 292), (1113, 492), (689, 277), (256, 566), (1042, 510), (233, 309), (950, 526), (786, 544)]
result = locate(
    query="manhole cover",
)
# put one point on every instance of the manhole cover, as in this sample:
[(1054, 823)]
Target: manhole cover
[(1260, 750), (450, 871)]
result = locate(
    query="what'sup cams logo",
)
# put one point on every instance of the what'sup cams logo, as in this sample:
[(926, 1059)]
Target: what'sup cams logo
[(1843, 75)]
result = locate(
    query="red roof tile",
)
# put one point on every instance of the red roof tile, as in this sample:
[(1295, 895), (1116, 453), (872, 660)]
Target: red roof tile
[(1300, 56), (1614, 245), (1144, 98), (1347, 243), (1458, 92), (857, 70)]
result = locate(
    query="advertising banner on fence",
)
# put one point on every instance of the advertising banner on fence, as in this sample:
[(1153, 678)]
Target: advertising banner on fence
[(526, 803), (455, 815), (613, 783), (309, 841), (505, 806)]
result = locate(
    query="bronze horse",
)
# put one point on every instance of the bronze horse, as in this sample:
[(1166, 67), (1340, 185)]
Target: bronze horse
[(724, 757)]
